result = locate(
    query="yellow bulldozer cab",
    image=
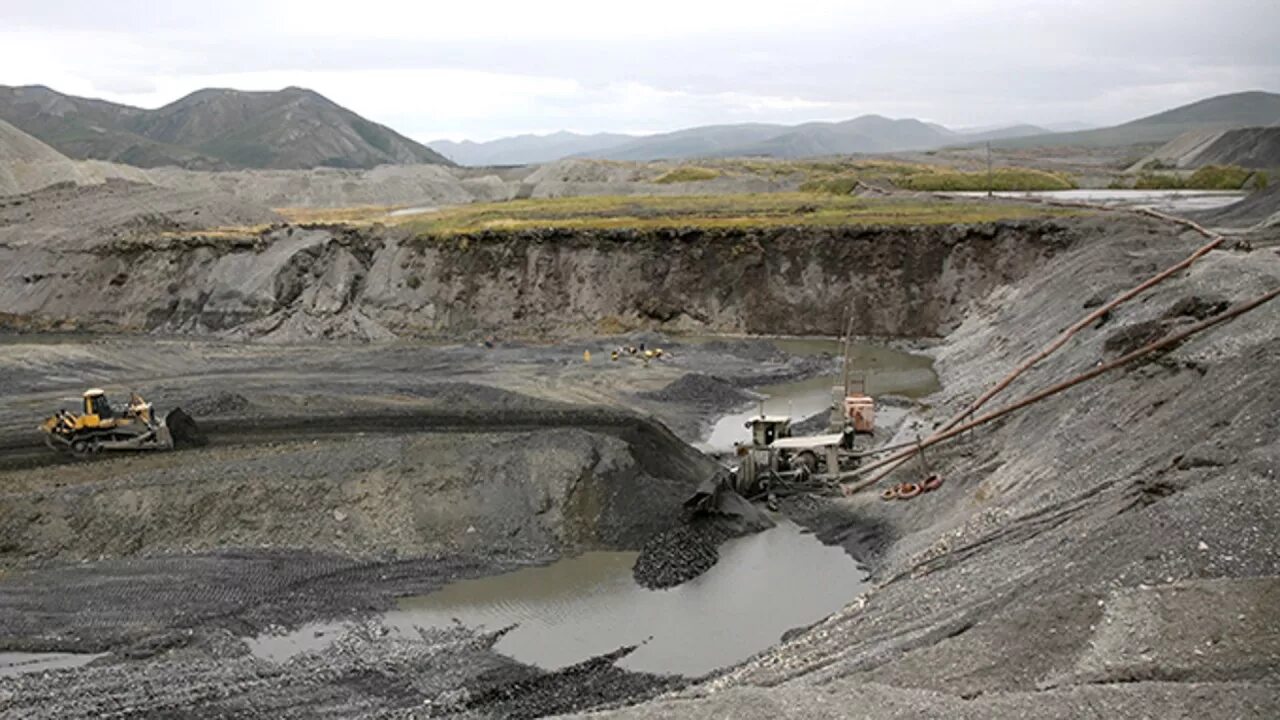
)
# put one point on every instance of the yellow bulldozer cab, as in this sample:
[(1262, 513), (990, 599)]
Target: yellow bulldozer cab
[(98, 413), (95, 409)]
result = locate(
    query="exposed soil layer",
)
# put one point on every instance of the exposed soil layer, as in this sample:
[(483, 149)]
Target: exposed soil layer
[(302, 283)]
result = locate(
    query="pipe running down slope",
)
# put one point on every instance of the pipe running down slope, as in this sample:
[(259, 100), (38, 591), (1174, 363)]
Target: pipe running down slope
[(948, 429)]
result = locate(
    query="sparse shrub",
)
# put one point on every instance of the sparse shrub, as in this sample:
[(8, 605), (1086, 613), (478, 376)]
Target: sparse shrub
[(688, 173), (413, 281), (838, 185), (1209, 177), (1218, 177), (1158, 181)]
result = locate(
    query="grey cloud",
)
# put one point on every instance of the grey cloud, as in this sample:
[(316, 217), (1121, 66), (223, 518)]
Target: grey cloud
[(983, 62)]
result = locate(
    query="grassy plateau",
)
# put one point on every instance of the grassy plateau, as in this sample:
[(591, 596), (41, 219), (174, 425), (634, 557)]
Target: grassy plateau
[(698, 211)]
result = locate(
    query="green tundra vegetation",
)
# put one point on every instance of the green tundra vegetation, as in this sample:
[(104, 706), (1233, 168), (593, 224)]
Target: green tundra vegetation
[(687, 173), (714, 211), (1209, 177), (931, 178)]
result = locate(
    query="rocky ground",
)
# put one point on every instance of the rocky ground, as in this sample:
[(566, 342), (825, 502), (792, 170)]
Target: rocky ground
[(1108, 552)]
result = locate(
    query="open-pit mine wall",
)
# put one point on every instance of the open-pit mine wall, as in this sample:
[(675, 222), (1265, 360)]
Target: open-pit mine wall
[(296, 283)]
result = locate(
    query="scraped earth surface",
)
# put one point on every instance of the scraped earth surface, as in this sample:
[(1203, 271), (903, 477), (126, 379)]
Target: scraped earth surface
[(1109, 552)]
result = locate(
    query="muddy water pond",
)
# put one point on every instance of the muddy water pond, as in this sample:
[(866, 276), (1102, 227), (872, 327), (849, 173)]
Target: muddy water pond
[(581, 607), (886, 372)]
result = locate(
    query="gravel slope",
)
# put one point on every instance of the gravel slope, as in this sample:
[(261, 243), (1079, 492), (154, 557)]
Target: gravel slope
[(1110, 552)]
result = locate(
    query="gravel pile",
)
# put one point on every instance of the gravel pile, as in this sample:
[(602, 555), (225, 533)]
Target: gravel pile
[(703, 390), (679, 555)]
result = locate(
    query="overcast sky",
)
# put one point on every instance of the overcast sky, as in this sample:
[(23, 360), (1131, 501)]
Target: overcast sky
[(481, 69)]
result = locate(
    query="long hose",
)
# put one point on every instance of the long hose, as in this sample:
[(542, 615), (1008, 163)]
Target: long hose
[(1057, 343), (1055, 389)]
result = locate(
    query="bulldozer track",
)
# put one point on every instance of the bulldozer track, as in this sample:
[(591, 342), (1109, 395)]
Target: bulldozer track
[(28, 450)]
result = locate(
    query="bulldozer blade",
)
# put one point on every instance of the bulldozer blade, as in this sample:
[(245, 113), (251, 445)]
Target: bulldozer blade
[(183, 429)]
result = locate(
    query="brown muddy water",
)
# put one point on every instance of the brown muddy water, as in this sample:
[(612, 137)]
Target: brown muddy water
[(885, 371), (584, 606)]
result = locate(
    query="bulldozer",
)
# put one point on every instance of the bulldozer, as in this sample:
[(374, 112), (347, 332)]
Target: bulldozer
[(100, 427)]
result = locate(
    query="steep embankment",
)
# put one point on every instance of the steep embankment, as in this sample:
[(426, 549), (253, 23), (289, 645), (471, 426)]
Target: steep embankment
[(1257, 148), (291, 283)]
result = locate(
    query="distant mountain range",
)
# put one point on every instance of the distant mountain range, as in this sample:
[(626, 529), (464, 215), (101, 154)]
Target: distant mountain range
[(866, 134), (212, 129), (295, 128), (527, 149)]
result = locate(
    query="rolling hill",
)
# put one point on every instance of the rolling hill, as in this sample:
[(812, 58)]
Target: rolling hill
[(527, 149), (1222, 112), (703, 141), (877, 134), (212, 129), (865, 134)]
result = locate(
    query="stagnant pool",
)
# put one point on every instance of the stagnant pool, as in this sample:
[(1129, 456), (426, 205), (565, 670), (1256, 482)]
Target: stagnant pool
[(883, 370), (584, 606)]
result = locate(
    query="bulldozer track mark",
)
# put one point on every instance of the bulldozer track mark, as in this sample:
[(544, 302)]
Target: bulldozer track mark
[(29, 451)]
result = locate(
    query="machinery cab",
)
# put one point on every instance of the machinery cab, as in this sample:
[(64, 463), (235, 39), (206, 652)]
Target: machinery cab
[(96, 405), (767, 428), (98, 412)]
